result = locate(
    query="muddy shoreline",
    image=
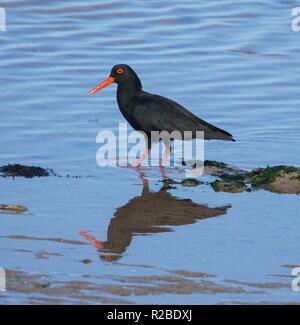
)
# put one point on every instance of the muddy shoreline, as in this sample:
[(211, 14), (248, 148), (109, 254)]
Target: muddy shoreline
[(39, 288)]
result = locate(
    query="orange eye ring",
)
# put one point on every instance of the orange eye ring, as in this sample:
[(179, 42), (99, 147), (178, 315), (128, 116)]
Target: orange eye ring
[(120, 71)]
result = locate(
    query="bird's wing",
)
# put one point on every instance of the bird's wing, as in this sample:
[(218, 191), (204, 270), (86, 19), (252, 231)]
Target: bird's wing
[(156, 113)]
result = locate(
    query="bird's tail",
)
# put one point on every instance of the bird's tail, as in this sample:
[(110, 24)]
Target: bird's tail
[(218, 134)]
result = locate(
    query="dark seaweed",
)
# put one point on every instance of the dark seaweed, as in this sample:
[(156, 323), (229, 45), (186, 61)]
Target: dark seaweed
[(16, 170)]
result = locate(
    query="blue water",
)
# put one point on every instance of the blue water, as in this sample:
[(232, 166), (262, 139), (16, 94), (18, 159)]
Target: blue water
[(232, 63)]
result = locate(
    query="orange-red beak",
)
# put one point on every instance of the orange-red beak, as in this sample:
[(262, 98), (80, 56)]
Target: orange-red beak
[(103, 84)]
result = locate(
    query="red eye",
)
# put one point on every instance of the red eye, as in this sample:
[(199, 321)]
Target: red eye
[(120, 71)]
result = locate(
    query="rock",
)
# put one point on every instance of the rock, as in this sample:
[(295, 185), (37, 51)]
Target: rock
[(12, 208), (280, 179), (86, 261)]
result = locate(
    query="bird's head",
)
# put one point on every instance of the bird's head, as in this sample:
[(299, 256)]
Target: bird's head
[(121, 74)]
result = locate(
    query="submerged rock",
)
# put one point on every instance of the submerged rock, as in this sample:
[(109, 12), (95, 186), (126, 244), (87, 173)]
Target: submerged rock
[(12, 208), (280, 179), (24, 171), (86, 261), (170, 183)]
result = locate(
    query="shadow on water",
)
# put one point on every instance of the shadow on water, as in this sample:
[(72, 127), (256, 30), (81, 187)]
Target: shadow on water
[(150, 212)]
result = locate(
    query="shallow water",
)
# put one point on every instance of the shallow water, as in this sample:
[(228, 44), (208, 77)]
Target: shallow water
[(233, 64)]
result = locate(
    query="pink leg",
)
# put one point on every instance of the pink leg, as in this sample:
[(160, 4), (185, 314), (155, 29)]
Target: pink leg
[(144, 156), (164, 161), (166, 156), (163, 173)]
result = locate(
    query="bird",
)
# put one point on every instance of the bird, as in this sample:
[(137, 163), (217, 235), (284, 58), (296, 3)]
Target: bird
[(148, 112)]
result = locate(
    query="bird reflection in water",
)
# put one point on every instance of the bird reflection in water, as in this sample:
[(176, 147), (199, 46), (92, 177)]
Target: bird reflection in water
[(150, 212)]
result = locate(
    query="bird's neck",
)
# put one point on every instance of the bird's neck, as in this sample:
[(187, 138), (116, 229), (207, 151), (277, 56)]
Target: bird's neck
[(127, 91)]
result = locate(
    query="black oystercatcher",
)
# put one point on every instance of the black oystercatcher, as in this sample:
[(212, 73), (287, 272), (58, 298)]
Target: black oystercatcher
[(148, 112)]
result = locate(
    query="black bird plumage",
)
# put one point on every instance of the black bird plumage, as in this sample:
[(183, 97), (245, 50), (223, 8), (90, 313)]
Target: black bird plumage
[(148, 112)]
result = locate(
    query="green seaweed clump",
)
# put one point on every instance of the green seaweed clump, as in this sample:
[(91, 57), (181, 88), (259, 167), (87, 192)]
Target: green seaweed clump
[(190, 182), (214, 163), (231, 187), (238, 177), (265, 176), (170, 183)]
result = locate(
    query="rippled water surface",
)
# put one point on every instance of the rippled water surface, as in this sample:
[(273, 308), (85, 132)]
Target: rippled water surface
[(234, 64)]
